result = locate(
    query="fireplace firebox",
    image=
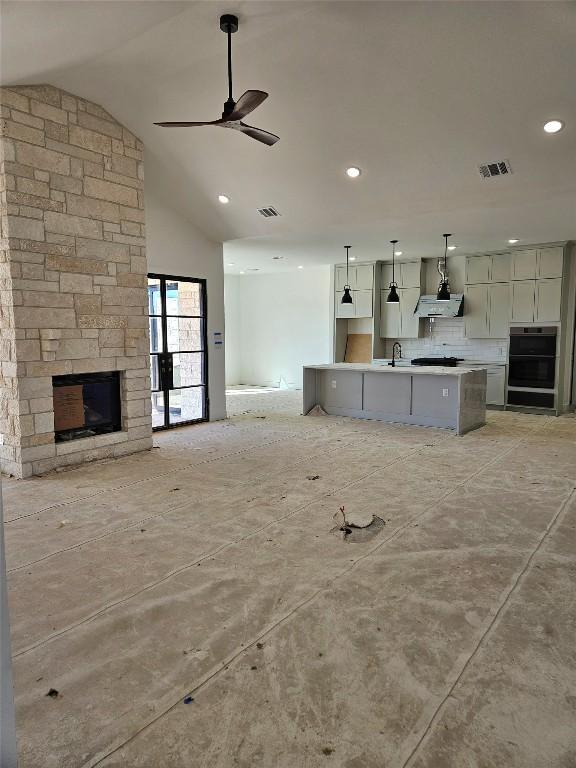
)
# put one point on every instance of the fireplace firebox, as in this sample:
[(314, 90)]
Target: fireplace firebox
[(86, 404)]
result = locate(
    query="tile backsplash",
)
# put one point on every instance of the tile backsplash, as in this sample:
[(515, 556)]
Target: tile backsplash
[(446, 338)]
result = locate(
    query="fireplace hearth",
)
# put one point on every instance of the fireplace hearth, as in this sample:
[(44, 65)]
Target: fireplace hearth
[(86, 405)]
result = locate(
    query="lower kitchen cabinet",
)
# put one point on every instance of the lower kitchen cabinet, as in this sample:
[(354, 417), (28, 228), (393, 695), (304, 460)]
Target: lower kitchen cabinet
[(496, 385)]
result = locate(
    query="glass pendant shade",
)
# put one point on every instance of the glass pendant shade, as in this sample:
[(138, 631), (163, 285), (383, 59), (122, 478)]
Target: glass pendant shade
[(347, 296), (393, 297)]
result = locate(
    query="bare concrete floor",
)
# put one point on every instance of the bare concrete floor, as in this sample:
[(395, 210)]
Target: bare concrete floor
[(205, 568)]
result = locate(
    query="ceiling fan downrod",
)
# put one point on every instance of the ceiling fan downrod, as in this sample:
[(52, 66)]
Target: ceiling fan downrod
[(229, 25)]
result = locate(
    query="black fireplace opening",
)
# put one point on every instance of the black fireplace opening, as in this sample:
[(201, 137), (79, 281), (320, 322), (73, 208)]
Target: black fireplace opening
[(86, 404)]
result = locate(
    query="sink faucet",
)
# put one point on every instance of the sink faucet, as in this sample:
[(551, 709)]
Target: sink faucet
[(395, 346)]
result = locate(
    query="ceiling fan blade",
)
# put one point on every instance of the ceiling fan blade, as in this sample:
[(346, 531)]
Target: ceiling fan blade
[(186, 125), (257, 133), (247, 103)]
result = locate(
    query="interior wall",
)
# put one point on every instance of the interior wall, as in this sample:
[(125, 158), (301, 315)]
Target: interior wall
[(277, 324), (175, 246)]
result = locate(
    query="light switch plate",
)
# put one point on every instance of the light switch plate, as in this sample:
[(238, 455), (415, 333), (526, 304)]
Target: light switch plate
[(444, 393), (333, 383)]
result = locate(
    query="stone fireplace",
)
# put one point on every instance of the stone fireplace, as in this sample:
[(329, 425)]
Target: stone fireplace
[(73, 298)]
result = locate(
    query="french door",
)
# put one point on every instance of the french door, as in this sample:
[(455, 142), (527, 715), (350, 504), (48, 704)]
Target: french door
[(178, 350)]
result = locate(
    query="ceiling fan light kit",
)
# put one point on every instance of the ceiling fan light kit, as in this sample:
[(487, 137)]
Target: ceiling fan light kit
[(234, 111)]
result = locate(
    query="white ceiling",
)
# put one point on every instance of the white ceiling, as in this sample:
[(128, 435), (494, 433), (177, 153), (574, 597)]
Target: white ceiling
[(417, 94)]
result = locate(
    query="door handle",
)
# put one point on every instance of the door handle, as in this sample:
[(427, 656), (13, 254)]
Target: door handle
[(166, 371)]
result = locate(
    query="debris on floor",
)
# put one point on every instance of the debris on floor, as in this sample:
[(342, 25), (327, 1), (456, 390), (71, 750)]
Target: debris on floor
[(188, 699), (327, 751), (358, 529), (53, 693), (317, 411), (312, 477)]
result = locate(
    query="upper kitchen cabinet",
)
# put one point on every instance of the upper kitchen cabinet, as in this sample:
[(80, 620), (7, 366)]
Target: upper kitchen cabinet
[(408, 274), (486, 313), (488, 269), (537, 301), (535, 263), (361, 281), (397, 320)]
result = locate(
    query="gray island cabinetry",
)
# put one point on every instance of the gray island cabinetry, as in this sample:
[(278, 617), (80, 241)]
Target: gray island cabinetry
[(453, 398)]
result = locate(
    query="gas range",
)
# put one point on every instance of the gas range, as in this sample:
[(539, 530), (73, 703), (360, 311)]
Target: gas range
[(444, 362)]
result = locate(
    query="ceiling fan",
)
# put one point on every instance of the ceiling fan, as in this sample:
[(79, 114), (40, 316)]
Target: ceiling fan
[(234, 111)]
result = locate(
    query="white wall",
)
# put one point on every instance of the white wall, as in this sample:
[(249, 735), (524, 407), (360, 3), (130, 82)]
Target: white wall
[(175, 246), (278, 323), (233, 334)]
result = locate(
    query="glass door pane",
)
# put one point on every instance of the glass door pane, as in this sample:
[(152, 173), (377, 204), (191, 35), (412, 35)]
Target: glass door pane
[(178, 357)]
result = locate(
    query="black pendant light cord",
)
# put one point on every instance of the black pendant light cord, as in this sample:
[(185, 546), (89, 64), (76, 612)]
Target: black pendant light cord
[(347, 254), (393, 258), (445, 252)]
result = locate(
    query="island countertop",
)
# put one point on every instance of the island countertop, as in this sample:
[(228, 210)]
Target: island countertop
[(436, 370)]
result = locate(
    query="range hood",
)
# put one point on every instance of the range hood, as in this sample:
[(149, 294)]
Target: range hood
[(429, 306)]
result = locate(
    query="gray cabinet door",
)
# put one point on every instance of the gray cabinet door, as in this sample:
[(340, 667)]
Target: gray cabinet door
[(389, 318), (523, 301), (340, 389), (410, 274), (495, 385), (435, 396), (340, 277), (344, 310), (387, 393), (499, 310), (524, 264), (548, 298), (500, 268), (476, 312), (362, 303), (478, 269), (409, 323), (550, 262), (364, 277)]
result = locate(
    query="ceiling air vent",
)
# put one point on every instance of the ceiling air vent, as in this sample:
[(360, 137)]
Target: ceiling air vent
[(501, 168), (268, 212)]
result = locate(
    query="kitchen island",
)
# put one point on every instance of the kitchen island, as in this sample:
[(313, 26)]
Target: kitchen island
[(453, 398)]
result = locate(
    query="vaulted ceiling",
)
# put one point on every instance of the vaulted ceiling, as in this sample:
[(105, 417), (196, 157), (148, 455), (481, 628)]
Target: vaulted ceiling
[(417, 94)]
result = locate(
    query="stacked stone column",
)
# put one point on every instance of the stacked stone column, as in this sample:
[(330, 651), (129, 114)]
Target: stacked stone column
[(73, 295)]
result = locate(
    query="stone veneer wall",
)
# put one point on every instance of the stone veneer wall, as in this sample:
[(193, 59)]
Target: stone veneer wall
[(73, 272)]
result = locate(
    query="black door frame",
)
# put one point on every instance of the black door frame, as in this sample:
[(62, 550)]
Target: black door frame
[(165, 369)]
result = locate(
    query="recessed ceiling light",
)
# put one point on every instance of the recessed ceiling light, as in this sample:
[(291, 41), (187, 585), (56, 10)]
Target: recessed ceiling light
[(241, 272), (352, 258), (230, 263), (398, 253), (353, 172), (553, 126), (452, 247), (300, 266), (223, 199), (513, 240)]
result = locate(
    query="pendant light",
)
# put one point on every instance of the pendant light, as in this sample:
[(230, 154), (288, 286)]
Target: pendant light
[(444, 287), (393, 297), (347, 296)]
